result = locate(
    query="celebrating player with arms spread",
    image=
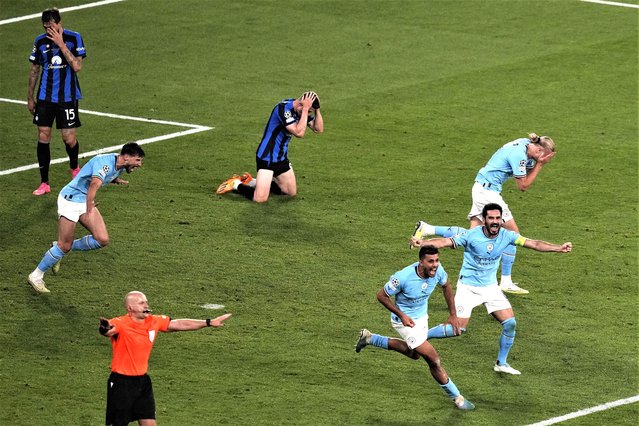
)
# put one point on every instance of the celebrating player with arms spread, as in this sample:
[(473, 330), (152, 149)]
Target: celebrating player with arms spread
[(477, 284)]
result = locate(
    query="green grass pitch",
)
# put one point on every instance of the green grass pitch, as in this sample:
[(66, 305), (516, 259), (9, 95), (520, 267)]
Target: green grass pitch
[(416, 96)]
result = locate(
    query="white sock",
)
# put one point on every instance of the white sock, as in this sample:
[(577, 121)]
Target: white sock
[(252, 183), (429, 229), (506, 280), (37, 273)]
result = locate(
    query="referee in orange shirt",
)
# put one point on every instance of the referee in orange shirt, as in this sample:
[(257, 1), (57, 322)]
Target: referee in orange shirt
[(129, 389)]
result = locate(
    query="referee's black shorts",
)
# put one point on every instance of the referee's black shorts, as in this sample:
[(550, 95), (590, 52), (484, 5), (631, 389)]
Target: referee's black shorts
[(129, 398), (278, 168)]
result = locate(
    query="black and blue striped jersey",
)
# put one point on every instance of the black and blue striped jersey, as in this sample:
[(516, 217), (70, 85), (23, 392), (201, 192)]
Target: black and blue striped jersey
[(274, 145), (58, 82)]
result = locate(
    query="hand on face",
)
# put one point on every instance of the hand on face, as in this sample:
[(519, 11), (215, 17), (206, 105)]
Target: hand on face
[(546, 156), (54, 33)]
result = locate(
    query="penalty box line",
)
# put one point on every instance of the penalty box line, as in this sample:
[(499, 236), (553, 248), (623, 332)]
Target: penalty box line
[(192, 128), (587, 411)]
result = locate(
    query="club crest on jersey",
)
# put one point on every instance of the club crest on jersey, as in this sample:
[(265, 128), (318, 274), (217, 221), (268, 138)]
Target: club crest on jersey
[(424, 286), (56, 60), (151, 335), (490, 247)]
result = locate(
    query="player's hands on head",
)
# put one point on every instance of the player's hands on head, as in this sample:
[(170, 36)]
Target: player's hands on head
[(546, 157), (307, 99)]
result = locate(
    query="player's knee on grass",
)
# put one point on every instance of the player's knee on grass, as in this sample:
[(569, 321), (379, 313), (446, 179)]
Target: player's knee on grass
[(103, 240)]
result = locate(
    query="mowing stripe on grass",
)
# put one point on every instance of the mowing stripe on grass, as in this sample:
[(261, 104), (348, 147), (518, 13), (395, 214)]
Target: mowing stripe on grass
[(64, 9), (612, 3), (193, 128), (587, 411)]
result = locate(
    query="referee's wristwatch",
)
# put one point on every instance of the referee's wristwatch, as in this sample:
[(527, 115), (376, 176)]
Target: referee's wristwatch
[(208, 322)]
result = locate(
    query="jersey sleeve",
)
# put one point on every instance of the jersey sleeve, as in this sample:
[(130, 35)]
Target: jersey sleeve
[(442, 276), (36, 55), (161, 322), (100, 169), (286, 114), (514, 238), (79, 46), (518, 161), (393, 286), (459, 240)]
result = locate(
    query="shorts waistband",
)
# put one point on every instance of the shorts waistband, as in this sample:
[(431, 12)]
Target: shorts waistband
[(485, 184), (124, 376)]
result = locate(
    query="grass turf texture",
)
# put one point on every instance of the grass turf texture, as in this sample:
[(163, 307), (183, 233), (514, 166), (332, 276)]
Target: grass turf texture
[(416, 97)]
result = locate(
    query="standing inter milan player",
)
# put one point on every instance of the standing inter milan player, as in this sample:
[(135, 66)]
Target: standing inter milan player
[(477, 283), (76, 204), (59, 53), (275, 174), (129, 389), (411, 287), (522, 159)]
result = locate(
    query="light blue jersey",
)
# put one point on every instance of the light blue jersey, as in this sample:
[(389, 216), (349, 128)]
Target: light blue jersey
[(482, 254), (100, 166), (509, 160), (412, 292)]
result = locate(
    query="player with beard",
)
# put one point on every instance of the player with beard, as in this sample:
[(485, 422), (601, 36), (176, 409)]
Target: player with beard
[(76, 204), (477, 283), (411, 287)]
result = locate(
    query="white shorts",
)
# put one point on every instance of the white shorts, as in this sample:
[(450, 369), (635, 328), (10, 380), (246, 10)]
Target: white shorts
[(71, 210), (483, 196), (413, 336), (469, 296)]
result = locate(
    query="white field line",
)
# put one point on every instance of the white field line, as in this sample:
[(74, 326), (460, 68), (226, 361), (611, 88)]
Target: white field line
[(64, 9), (587, 411), (612, 3), (193, 128)]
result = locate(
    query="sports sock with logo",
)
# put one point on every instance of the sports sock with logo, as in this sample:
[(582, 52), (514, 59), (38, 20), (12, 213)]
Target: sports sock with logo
[(44, 159)]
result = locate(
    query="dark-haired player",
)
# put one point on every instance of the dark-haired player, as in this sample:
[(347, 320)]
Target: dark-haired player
[(477, 284), (76, 204), (57, 58), (411, 287)]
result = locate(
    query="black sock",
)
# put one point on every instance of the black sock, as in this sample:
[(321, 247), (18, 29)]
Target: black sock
[(247, 191), (275, 189), (73, 154), (44, 159)]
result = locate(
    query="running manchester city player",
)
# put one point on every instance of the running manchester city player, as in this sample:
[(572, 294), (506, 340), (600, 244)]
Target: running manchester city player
[(76, 204), (275, 174), (411, 287), (477, 283)]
